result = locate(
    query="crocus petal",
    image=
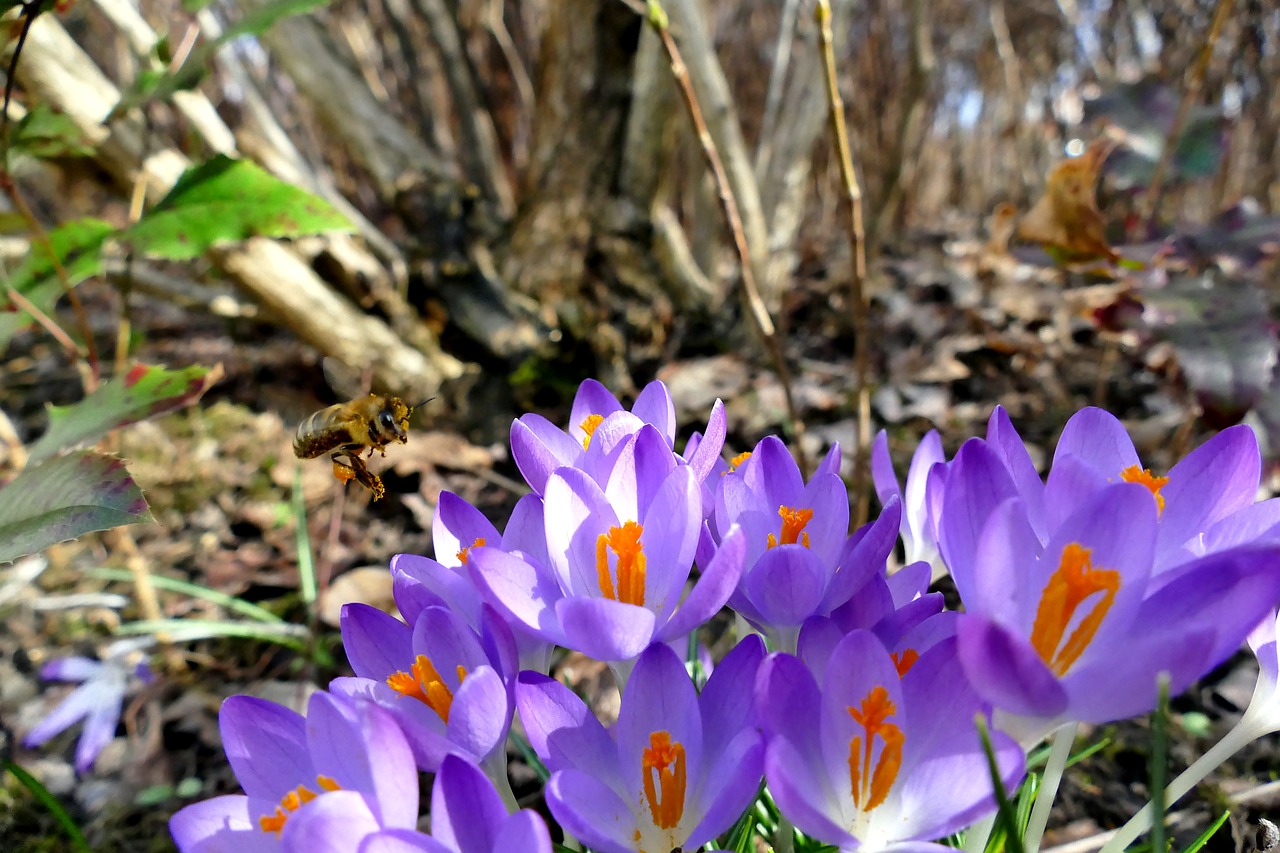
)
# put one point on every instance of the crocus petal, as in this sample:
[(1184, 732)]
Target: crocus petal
[(402, 841), (523, 831), (734, 774), (363, 749), (786, 585), (1216, 479), (99, 729), (225, 817), (659, 696), (704, 458), (788, 700), (726, 700), (522, 591), (266, 745), (481, 713), (70, 710), (712, 589), (456, 526), (591, 812), (1008, 446), (465, 808), (654, 406), (333, 823), (977, 483), (71, 668), (803, 795), (377, 643), (1006, 670), (883, 476), (604, 629), (561, 729), (864, 554), (538, 448), (1097, 436)]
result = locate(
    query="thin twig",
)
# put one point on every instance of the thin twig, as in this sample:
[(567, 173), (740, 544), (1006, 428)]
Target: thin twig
[(858, 245), (1151, 200), (750, 294), (50, 325)]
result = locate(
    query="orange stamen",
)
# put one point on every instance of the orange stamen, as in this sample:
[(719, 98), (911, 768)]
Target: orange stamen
[(903, 661), (466, 549), (793, 522), (625, 542), (738, 460), (1144, 477), (589, 424), (1075, 580), (664, 761), (424, 683), (292, 801), (871, 785)]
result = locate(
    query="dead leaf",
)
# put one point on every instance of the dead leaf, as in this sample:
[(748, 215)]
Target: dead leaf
[(367, 585), (1066, 220)]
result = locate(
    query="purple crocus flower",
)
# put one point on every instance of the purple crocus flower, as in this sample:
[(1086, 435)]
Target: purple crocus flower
[(446, 686), (878, 753), (1075, 623), (919, 497), (619, 555), (467, 816), (288, 765), (539, 446), (679, 767), (457, 529), (97, 701), (798, 563)]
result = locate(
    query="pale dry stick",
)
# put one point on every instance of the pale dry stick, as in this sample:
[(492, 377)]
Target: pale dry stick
[(755, 307), (1151, 199), (777, 76), (858, 245), (122, 541)]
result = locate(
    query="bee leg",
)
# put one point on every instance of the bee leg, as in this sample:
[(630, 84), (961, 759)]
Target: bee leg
[(344, 472), (354, 469)]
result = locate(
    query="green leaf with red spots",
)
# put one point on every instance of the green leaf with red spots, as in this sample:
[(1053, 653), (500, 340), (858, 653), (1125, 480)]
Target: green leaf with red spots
[(226, 200), (77, 245), (66, 497), (144, 392)]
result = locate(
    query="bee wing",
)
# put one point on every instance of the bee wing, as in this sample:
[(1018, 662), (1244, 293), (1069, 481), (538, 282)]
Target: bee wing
[(344, 379)]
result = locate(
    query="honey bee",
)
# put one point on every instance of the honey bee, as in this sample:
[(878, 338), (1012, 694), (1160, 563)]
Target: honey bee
[(345, 430)]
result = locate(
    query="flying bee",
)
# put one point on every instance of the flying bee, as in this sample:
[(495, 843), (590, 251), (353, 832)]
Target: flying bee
[(345, 430)]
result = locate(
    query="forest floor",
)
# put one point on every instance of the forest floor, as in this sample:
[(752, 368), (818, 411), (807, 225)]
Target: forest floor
[(955, 336)]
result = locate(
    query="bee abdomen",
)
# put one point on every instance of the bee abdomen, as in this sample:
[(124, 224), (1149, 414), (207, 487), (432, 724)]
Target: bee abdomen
[(318, 434)]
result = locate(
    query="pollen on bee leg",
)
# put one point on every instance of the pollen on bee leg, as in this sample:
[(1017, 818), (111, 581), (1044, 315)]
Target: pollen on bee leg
[(344, 472)]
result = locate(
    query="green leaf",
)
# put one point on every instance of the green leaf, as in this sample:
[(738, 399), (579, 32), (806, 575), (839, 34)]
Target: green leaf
[(226, 200), (144, 392), (60, 815), (64, 498), (78, 247), (46, 133)]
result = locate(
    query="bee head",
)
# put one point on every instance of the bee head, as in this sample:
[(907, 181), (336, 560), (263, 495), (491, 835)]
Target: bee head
[(392, 421)]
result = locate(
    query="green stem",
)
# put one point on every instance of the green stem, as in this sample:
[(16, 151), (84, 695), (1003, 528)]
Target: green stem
[(1059, 753)]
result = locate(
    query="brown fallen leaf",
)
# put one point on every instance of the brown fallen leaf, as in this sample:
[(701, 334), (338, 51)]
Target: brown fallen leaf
[(1066, 220)]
